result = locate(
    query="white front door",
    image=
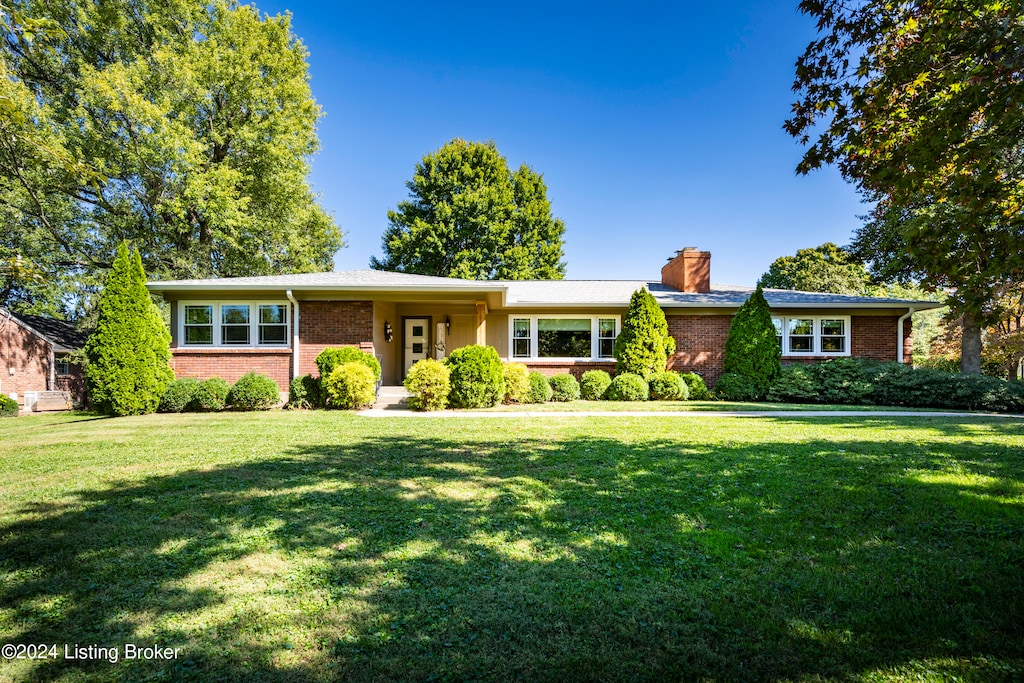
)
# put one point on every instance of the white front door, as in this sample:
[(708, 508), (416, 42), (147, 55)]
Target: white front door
[(417, 333)]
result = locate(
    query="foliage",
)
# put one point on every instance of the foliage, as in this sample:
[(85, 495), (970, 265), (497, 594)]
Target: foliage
[(210, 395), (477, 377), (827, 268), (304, 393), (254, 391), (350, 386), (841, 380), (920, 104), (331, 357), (696, 388), (644, 344), (517, 383), (468, 216), (752, 347), (540, 389), (178, 395), (733, 386), (593, 384), (129, 352), (794, 384), (185, 127), (627, 387), (429, 383), (8, 406), (668, 386), (564, 388)]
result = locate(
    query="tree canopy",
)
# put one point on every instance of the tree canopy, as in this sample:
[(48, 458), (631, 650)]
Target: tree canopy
[(921, 105), (186, 127), (469, 216), (826, 268)]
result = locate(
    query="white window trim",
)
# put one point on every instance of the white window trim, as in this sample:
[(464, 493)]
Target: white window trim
[(254, 325), (595, 331), (817, 351)]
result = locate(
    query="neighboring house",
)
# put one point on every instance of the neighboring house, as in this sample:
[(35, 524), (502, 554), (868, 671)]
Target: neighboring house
[(34, 354), (276, 325)]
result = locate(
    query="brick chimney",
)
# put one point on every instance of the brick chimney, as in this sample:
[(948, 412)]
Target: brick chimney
[(688, 271)]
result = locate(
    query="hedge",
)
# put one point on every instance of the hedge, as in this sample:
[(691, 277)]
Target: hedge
[(593, 384), (254, 391), (628, 387), (477, 377), (540, 389), (668, 386), (564, 388), (429, 384), (350, 386)]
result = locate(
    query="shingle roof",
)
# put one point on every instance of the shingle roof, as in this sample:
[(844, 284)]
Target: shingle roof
[(58, 332), (348, 279)]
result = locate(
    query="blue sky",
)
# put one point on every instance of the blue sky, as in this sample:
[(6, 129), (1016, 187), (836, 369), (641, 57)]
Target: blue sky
[(656, 126)]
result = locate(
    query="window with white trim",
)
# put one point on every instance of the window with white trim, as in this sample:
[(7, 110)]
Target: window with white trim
[(62, 366), (563, 337), (234, 324), (808, 335)]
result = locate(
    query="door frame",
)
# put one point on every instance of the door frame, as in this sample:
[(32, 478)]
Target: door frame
[(430, 323)]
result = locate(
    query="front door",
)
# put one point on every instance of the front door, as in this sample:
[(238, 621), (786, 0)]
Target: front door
[(416, 337)]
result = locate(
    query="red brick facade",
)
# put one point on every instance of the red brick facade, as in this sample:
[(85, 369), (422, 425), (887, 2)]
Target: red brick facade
[(28, 355), (332, 323), (700, 344), (230, 364)]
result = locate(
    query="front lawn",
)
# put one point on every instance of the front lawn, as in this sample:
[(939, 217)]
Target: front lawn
[(689, 406), (326, 546)]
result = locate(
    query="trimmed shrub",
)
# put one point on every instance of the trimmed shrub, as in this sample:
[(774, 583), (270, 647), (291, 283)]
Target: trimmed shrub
[(897, 385), (178, 395), (254, 391), (644, 344), (795, 385), (733, 386), (210, 395), (129, 354), (564, 388), (332, 357), (304, 392), (752, 347), (477, 377), (8, 406), (627, 387), (517, 383), (350, 386), (841, 380), (429, 383), (668, 386), (540, 390), (696, 386), (593, 384)]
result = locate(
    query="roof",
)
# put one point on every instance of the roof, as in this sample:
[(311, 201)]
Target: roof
[(538, 293), (63, 335)]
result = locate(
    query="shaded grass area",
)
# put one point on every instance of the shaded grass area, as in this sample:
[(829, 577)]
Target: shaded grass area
[(323, 546)]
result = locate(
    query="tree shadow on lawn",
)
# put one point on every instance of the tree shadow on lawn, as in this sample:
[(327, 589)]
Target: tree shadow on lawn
[(582, 558)]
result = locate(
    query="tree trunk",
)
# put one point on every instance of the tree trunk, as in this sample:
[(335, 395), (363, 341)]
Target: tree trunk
[(970, 346)]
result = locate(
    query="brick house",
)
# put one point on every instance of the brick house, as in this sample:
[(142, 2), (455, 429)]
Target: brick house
[(276, 325), (34, 354)]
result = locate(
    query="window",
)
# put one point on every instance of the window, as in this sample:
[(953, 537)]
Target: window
[(62, 366), (576, 337), (811, 335), (237, 324)]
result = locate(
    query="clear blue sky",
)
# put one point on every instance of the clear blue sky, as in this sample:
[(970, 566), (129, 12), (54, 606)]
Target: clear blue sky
[(656, 126)]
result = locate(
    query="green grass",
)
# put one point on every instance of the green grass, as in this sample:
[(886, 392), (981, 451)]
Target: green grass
[(687, 406), (327, 546)]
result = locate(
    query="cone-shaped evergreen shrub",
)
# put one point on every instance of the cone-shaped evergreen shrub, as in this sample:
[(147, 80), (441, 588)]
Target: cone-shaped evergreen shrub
[(752, 348), (644, 345), (129, 353)]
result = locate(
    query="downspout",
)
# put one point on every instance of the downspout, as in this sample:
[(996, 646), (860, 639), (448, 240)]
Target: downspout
[(899, 334), (295, 336), (53, 371)]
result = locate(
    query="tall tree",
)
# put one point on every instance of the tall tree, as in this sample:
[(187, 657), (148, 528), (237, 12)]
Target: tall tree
[(827, 268), (921, 105), (184, 126), (752, 347), (469, 216), (644, 344)]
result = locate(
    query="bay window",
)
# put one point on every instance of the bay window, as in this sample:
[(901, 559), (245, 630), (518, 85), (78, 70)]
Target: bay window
[(562, 337), (234, 324), (807, 335)]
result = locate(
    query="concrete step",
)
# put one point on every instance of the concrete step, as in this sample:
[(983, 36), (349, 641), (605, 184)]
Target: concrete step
[(392, 398)]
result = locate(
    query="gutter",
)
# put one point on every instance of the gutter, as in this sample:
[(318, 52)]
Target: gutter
[(899, 334), (295, 336)]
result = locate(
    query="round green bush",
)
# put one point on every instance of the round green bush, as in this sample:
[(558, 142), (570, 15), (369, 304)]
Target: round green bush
[(304, 392), (517, 383), (254, 391), (540, 390), (733, 386), (429, 383), (210, 395), (178, 395), (696, 386), (593, 384), (564, 388), (478, 378), (8, 406), (332, 357), (794, 385), (627, 387), (668, 386), (350, 386)]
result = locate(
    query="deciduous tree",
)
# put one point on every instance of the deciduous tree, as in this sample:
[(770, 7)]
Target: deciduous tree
[(827, 268)]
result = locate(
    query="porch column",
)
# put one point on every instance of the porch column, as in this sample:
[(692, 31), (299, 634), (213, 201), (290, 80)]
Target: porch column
[(481, 323)]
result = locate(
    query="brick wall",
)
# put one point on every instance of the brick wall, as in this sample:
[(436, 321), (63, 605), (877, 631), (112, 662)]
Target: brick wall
[(27, 354), (700, 344), (574, 368), (230, 364), (332, 323)]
